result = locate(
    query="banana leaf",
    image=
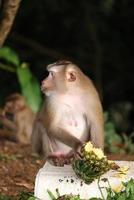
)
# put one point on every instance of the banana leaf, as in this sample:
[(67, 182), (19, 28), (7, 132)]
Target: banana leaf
[(6, 53), (29, 86)]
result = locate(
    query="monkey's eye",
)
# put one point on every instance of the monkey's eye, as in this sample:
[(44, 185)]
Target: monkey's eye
[(51, 74)]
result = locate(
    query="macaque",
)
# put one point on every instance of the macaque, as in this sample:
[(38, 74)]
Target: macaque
[(71, 115), (17, 119)]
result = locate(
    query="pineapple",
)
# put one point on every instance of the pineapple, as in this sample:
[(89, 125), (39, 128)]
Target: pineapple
[(91, 163)]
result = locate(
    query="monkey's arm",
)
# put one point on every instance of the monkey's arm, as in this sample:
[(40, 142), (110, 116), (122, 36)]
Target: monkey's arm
[(8, 123), (40, 140), (66, 137), (97, 133)]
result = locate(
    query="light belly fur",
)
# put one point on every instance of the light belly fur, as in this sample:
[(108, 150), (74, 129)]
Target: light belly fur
[(74, 125)]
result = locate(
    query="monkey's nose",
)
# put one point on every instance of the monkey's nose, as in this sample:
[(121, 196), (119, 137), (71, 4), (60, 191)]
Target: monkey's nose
[(43, 82), (43, 85)]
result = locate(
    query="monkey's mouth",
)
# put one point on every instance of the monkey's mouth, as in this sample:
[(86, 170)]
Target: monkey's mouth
[(46, 90), (43, 89)]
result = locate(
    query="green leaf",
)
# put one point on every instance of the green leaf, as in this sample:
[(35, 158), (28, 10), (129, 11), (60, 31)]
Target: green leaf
[(126, 194), (129, 187), (26, 196), (29, 86), (5, 197), (9, 55), (112, 139), (57, 193), (32, 198), (51, 195)]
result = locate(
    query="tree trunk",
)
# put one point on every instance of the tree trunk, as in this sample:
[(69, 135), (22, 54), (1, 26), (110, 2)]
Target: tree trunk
[(9, 10)]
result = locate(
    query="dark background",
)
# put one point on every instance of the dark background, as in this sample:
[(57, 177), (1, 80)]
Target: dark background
[(96, 35)]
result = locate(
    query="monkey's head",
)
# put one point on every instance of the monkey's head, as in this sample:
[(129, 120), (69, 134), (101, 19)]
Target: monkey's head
[(63, 76), (14, 103)]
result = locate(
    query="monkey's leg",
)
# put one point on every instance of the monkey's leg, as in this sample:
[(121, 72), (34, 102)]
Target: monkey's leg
[(6, 134), (41, 143), (97, 135), (67, 138), (36, 139)]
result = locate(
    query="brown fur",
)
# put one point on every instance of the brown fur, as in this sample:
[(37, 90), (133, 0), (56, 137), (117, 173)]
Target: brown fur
[(20, 127), (72, 112)]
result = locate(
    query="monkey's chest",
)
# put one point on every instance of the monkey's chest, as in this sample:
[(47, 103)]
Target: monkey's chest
[(72, 120), (74, 124), (69, 116)]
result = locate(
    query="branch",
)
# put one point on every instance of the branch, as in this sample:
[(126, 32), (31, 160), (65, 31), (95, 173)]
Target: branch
[(7, 68), (39, 48), (9, 11)]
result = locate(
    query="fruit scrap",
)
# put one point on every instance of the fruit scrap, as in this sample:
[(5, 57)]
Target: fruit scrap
[(92, 163)]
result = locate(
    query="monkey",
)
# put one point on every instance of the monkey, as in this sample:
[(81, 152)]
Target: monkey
[(17, 119), (71, 114)]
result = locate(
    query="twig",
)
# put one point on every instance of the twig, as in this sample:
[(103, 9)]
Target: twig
[(98, 181), (37, 47), (7, 68)]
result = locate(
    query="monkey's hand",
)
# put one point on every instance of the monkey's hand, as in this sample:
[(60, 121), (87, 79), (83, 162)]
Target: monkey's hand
[(74, 153), (58, 159), (7, 123)]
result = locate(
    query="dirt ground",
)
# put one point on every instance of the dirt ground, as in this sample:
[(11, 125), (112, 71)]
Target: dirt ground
[(18, 167)]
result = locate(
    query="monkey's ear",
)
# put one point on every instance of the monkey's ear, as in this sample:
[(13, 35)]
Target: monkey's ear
[(71, 76)]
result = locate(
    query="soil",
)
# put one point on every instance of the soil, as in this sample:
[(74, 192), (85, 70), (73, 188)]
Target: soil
[(18, 167)]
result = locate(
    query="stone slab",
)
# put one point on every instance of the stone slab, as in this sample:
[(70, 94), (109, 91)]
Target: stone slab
[(64, 178)]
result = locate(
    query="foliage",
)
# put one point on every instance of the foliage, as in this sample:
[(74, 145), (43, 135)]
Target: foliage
[(26, 196), (6, 158), (112, 139), (127, 193), (52, 196), (120, 114), (20, 196), (29, 84), (64, 197), (9, 56), (5, 197), (91, 163), (128, 143)]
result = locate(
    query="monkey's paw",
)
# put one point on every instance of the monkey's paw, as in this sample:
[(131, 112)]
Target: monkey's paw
[(60, 159)]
